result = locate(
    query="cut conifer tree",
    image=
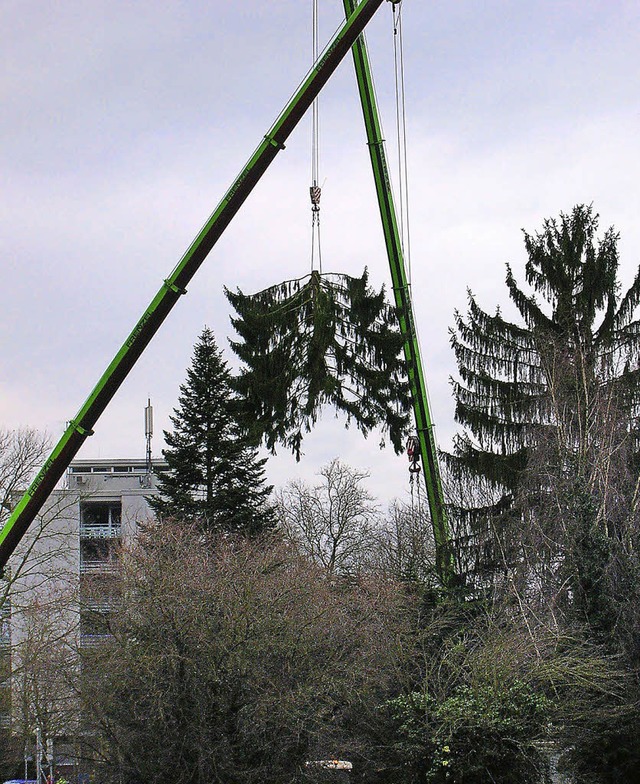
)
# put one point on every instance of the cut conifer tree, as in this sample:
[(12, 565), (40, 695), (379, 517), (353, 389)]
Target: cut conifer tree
[(321, 340)]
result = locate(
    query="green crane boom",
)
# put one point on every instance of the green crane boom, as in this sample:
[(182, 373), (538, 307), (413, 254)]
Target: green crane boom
[(402, 295), (81, 426)]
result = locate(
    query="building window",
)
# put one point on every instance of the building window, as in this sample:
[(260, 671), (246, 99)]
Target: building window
[(97, 555), (100, 518), (95, 623)]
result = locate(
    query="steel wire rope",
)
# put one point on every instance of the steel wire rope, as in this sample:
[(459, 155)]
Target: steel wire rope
[(403, 188), (401, 134), (315, 189), (376, 99), (403, 174)]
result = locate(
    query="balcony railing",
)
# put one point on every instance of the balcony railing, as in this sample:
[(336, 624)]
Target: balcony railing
[(100, 531), (98, 567), (93, 640), (102, 604)]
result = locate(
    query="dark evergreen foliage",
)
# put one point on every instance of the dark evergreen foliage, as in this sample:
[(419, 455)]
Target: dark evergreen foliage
[(550, 410), (215, 476), (582, 340), (315, 341)]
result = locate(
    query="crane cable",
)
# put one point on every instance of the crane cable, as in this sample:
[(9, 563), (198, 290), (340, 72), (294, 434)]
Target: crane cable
[(315, 191), (401, 134), (404, 220), (413, 444)]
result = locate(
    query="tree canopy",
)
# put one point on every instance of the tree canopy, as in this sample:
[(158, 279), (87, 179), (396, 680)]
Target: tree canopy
[(236, 663), (322, 340), (554, 368), (214, 474)]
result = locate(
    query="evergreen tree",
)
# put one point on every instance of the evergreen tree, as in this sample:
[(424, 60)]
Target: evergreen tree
[(323, 340), (215, 476), (550, 411)]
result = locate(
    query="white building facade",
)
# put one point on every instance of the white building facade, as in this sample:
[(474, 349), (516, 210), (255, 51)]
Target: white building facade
[(60, 595)]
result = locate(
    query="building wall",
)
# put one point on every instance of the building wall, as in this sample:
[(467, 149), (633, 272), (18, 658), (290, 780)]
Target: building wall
[(61, 594)]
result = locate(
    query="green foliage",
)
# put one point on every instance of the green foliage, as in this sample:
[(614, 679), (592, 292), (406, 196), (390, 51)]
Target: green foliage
[(215, 476), (476, 735), (548, 461), (317, 341), (498, 691), (607, 754), (512, 376)]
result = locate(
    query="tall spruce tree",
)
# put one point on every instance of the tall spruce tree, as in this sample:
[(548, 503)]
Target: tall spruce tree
[(549, 408), (215, 476)]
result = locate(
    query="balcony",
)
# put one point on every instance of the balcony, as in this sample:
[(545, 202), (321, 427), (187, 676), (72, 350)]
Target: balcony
[(101, 604), (98, 567), (98, 556), (100, 531), (100, 519), (93, 640)]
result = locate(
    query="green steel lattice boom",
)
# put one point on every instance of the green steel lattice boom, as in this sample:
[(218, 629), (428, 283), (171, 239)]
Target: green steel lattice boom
[(402, 295), (358, 15)]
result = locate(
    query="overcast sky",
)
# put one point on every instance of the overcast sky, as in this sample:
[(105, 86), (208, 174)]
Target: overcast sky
[(122, 124)]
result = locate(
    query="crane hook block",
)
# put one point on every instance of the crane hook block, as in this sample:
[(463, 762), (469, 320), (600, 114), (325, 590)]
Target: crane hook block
[(413, 450), (315, 192)]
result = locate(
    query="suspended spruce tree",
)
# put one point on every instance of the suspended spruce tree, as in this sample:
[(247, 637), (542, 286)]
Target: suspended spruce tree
[(549, 407), (321, 340), (214, 475)]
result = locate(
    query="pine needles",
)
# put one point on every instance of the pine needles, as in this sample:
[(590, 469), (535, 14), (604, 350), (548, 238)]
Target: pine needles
[(320, 340)]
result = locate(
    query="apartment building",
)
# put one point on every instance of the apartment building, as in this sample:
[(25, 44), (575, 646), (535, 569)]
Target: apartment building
[(61, 587), (111, 505)]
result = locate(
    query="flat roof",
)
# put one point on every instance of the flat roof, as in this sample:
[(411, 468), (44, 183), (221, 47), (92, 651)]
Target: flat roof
[(113, 466)]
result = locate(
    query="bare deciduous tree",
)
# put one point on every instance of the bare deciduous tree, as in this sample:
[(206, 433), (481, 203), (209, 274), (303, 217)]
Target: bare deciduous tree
[(235, 661), (41, 555), (404, 547), (333, 522), (36, 611)]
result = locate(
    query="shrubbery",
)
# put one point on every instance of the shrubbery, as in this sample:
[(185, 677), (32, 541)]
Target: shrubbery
[(480, 734)]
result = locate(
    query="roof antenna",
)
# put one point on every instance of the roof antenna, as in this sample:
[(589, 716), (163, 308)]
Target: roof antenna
[(148, 431)]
